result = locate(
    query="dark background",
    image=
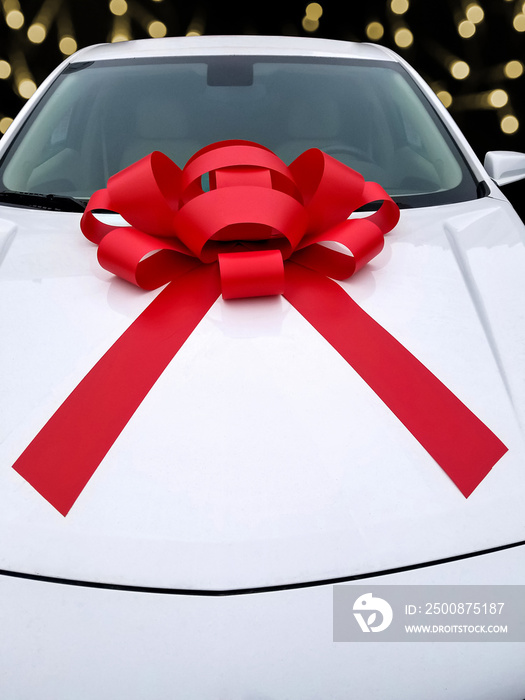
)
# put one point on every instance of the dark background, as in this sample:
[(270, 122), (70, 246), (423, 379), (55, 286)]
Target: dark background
[(433, 23)]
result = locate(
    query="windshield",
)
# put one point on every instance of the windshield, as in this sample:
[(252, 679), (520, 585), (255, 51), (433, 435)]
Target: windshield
[(99, 117)]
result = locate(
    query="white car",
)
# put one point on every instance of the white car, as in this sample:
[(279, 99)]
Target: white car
[(179, 527)]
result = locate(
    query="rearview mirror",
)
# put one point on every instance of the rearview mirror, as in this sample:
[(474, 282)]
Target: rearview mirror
[(505, 167)]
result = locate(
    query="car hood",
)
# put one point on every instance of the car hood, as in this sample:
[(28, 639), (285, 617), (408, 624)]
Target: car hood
[(260, 458)]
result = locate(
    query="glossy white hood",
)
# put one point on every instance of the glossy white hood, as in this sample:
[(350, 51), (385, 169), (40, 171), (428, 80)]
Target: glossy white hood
[(260, 458)]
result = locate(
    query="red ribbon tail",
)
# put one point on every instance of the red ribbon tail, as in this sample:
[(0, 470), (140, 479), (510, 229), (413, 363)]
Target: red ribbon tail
[(459, 442), (62, 458)]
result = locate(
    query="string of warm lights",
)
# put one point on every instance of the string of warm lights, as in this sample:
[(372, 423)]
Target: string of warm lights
[(32, 29), (467, 20)]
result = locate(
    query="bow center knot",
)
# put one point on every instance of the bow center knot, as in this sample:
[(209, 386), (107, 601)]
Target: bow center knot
[(252, 273)]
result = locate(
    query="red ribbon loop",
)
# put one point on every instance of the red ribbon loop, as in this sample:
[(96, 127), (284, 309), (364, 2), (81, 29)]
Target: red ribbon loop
[(260, 228)]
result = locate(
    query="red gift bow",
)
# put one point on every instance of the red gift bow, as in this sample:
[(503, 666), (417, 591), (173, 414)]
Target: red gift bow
[(259, 230)]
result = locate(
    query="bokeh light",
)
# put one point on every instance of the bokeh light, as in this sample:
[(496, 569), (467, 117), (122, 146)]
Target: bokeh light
[(26, 88), (314, 11), (5, 69), (445, 97), (14, 19), (36, 33), (475, 13), (5, 123), (459, 69), (466, 29), (509, 124), (513, 69), (399, 7), (157, 29), (403, 37), (118, 7), (519, 22), (375, 31), (498, 98), (67, 45)]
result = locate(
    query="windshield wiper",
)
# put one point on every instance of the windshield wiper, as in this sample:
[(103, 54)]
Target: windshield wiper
[(36, 200)]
